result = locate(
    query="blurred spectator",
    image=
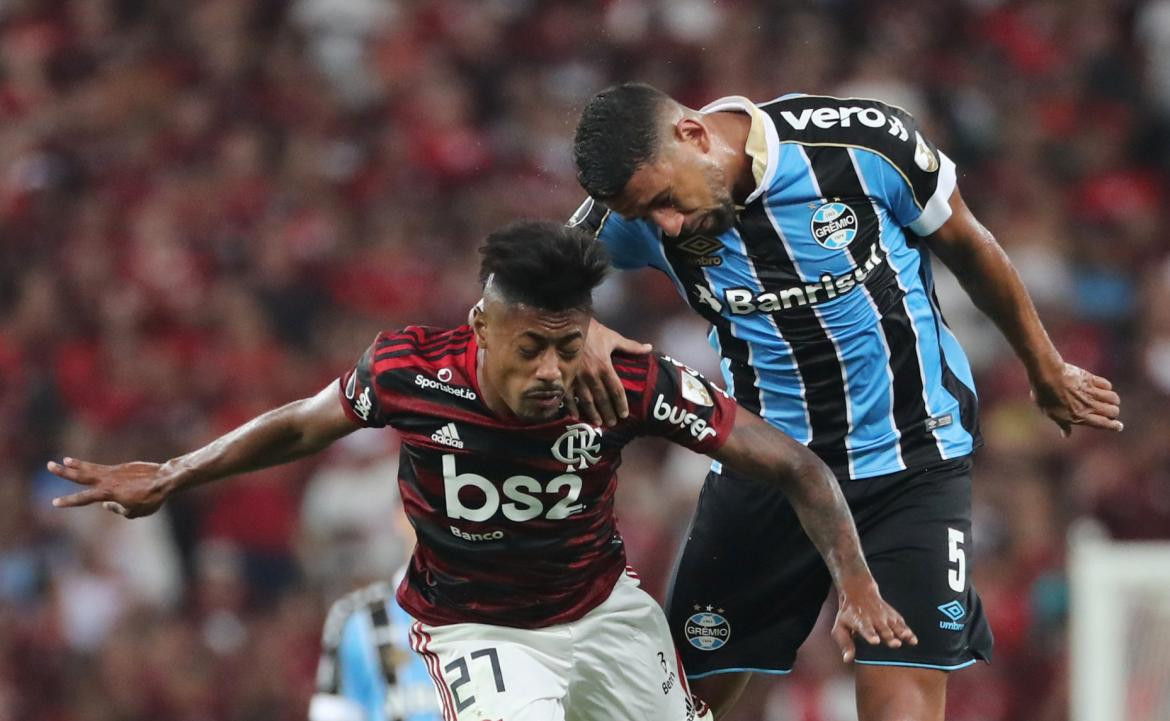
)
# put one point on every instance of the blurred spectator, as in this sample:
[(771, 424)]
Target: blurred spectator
[(351, 522)]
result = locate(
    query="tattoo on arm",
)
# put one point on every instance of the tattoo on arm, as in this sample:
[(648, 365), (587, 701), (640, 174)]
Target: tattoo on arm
[(759, 451)]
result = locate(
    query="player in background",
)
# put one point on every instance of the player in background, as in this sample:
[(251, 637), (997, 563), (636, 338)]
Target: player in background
[(801, 230), (367, 670), (525, 607)]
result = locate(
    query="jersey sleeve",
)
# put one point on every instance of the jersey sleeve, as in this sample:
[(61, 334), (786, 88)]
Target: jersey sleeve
[(678, 403), (364, 402), (905, 171), (621, 238)]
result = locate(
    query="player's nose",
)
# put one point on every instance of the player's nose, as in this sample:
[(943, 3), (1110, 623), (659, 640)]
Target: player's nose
[(549, 368), (669, 220)]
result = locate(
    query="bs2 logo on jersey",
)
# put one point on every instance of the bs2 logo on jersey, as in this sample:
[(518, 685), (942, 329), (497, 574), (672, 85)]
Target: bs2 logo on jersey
[(523, 497)]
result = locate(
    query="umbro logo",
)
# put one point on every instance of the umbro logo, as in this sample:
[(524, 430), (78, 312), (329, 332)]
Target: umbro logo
[(448, 436), (954, 612), (702, 250)]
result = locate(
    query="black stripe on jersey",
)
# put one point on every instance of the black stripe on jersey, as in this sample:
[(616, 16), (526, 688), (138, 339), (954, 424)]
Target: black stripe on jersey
[(968, 401), (837, 177), (437, 334), (634, 372), (412, 340), (430, 356), (816, 357), (385, 644), (633, 362), (744, 381), (968, 405), (631, 370), (378, 615), (628, 376)]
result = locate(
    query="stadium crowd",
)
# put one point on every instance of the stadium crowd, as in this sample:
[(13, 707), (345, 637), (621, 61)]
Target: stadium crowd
[(209, 208)]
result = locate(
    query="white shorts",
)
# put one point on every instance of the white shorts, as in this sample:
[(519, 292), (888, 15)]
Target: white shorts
[(616, 663)]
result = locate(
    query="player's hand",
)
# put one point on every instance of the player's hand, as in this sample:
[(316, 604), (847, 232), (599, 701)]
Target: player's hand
[(128, 489), (599, 396), (1079, 398), (864, 614)]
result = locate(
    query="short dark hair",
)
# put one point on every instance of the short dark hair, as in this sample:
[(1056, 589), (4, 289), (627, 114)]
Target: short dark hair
[(617, 132), (543, 264)]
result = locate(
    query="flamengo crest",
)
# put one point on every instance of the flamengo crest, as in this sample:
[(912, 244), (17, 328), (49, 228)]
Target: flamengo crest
[(580, 443)]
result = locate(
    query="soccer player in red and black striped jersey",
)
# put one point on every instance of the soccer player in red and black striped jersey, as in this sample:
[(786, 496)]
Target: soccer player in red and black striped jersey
[(525, 607)]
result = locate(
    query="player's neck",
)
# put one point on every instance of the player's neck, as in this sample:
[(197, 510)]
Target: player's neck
[(730, 130), (487, 392)]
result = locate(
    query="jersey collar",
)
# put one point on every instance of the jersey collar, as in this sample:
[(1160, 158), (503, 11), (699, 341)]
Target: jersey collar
[(762, 140)]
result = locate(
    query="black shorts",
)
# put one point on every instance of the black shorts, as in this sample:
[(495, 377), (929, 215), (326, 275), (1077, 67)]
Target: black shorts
[(750, 585)]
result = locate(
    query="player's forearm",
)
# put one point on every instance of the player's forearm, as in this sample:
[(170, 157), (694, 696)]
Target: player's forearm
[(757, 450), (278, 436), (816, 497), (989, 278)]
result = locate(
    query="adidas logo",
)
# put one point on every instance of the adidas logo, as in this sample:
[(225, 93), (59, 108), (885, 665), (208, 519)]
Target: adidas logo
[(448, 436)]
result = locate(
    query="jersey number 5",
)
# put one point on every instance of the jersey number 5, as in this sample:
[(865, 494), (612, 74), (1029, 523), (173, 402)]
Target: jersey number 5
[(957, 577)]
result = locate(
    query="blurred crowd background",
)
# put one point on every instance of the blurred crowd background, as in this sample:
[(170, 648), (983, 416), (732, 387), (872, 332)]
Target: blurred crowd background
[(209, 208)]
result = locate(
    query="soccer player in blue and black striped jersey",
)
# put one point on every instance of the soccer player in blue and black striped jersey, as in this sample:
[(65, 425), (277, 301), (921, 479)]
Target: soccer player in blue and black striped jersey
[(802, 229), (368, 670)]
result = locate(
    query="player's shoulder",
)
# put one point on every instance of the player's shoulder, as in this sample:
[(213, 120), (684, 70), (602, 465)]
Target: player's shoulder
[(420, 346), (634, 369), (826, 120), (425, 337), (646, 373), (617, 232)]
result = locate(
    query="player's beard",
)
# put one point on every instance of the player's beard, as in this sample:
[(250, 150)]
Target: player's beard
[(721, 217), (537, 411)]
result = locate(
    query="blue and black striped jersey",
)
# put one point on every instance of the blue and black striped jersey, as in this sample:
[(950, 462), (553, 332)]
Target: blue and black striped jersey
[(820, 298), (366, 659)]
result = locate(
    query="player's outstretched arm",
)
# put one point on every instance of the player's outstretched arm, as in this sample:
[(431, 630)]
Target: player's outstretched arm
[(281, 435), (1067, 394), (757, 450), (599, 396)]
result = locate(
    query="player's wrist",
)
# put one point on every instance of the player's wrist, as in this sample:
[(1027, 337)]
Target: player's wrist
[(1046, 373), (857, 584), (175, 475)]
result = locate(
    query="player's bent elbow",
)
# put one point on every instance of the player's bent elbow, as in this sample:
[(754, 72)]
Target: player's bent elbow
[(807, 474), (319, 420)]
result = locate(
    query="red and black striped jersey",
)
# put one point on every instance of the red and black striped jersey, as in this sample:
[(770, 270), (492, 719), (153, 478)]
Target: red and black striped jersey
[(515, 521)]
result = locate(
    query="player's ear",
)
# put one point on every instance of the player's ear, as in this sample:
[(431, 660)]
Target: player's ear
[(479, 324), (691, 130)]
